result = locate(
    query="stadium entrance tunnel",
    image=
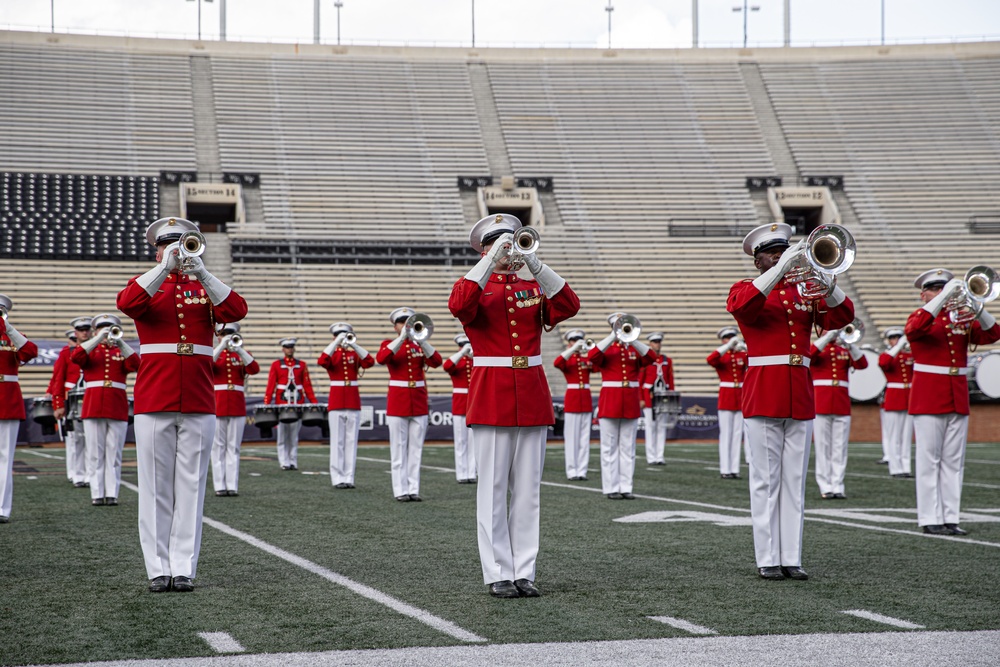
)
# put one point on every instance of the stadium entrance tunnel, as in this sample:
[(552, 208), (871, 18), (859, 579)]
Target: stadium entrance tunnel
[(804, 208), (212, 205), (211, 217), (521, 202)]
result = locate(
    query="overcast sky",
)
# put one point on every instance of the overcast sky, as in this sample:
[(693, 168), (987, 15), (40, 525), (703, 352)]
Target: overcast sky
[(580, 23)]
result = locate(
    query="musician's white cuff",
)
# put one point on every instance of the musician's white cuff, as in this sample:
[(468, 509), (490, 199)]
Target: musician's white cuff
[(427, 348), (855, 352), (481, 272), (126, 349), (216, 290), (897, 348), (549, 281), (825, 339), (329, 349), (456, 357), (568, 352), (16, 336), (639, 347), (245, 356), (836, 297), (89, 345), (152, 279), (724, 348), (362, 352), (986, 320), (606, 343), (766, 281), (396, 344)]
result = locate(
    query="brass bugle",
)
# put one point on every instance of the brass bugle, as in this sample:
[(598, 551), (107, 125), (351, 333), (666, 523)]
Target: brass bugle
[(853, 332)]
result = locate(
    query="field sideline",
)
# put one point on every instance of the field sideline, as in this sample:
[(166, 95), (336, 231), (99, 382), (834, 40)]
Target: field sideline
[(303, 572)]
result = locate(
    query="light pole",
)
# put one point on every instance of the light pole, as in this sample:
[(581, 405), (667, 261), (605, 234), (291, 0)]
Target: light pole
[(609, 9), (473, 23), (338, 4), (52, 11), (199, 15), (746, 10), (883, 22)]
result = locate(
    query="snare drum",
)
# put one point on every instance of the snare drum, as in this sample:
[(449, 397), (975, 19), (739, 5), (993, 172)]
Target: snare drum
[(866, 385), (289, 413), (265, 416), (667, 402), (74, 404), (984, 374), (43, 414), (314, 414)]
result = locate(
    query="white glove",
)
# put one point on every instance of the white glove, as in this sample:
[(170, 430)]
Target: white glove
[(244, 356), (339, 340), (362, 352), (836, 297), (126, 349), (397, 343), (986, 321), (898, 347), (152, 279), (854, 351), (548, 280), (481, 272), (95, 340), (604, 344), (456, 357), (935, 305), (16, 337), (467, 350), (728, 345), (640, 347), (766, 281), (217, 352), (427, 348), (825, 339), (217, 290), (571, 350), (331, 348)]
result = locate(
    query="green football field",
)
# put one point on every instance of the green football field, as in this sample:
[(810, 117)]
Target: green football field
[(295, 566)]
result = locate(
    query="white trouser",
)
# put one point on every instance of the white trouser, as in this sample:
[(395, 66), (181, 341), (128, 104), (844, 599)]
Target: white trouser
[(344, 428), (510, 460), (897, 440), (288, 443), (779, 459), (886, 438), (406, 446), (76, 455), (8, 442), (465, 456), (656, 435), (831, 433), (576, 439), (172, 451), (105, 442), (940, 466), (226, 453), (730, 441), (617, 454)]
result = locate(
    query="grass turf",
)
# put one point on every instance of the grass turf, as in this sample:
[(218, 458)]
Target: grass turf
[(72, 582)]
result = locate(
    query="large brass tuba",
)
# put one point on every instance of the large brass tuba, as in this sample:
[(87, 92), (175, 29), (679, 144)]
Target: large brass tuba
[(830, 251), (418, 327), (981, 285)]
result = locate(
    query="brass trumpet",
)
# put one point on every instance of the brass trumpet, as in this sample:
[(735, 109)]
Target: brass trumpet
[(418, 327), (190, 245), (981, 285), (830, 251), (627, 328)]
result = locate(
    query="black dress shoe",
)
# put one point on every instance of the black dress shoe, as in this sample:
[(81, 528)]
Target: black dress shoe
[(840, 496), (342, 485), (794, 572), (504, 589), (110, 501), (826, 496), (159, 584), (772, 572), (415, 498), (293, 467), (79, 485), (628, 496), (222, 493), (350, 486), (527, 589), (286, 467), (403, 499), (883, 462), (953, 529), (936, 530), (230, 492), (4, 519), (615, 496), (183, 584), (97, 501)]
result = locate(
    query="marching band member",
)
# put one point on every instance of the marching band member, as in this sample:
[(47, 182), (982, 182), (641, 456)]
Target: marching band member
[(106, 362), (939, 398), (897, 424), (831, 364), (620, 365), (232, 364), (288, 383), (661, 370), (730, 361), (174, 305), (65, 376), (344, 360), (778, 406), (406, 403), (459, 367), (510, 407), (15, 350), (578, 404)]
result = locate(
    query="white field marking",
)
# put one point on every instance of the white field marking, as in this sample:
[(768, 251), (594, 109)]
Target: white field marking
[(222, 642), (981, 485), (985, 462), (425, 617), (31, 477), (870, 514), (879, 618), (310, 472), (682, 516), (426, 467), (254, 474), (683, 625), (43, 455)]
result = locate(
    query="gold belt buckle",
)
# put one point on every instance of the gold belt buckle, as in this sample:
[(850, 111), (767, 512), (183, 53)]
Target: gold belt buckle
[(906, 385), (2, 378), (626, 383), (230, 386), (108, 383), (186, 349), (347, 383), (581, 386), (836, 383), (519, 362), (953, 370), (795, 360), (412, 384)]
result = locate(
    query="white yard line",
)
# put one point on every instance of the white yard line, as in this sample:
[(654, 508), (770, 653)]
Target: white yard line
[(364, 591), (222, 642), (681, 624), (879, 618), (42, 454)]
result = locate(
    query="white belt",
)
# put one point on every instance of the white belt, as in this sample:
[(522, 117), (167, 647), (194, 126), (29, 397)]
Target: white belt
[(578, 386), (12, 378), (897, 385), (230, 387), (830, 383), (69, 385), (343, 383), (460, 390), (780, 360), (183, 349), (647, 386), (105, 383), (616, 385), (729, 385), (508, 362), (403, 383), (940, 370)]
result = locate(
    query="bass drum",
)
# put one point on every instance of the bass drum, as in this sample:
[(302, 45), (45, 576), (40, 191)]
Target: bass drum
[(867, 384), (985, 375)]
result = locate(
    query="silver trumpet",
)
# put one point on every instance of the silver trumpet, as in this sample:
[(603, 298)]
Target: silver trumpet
[(349, 339), (830, 251), (418, 327), (981, 285), (627, 328), (590, 344), (235, 341), (853, 332), (115, 332), (525, 243), (190, 245)]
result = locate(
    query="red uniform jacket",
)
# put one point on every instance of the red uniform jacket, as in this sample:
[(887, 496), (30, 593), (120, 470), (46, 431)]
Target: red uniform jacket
[(577, 371), (180, 314), (277, 381), (935, 341), (620, 367), (505, 320), (461, 376), (780, 324), (64, 377), (898, 371), (732, 369), (105, 366), (228, 374), (831, 377), (408, 399), (11, 358), (344, 370), (662, 365)]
